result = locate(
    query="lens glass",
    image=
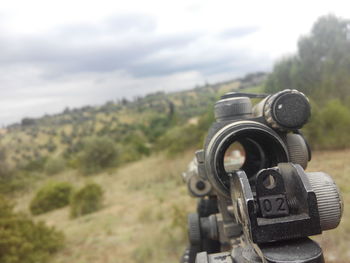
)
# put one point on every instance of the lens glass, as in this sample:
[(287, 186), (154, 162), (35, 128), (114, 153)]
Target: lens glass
[(234, 157)]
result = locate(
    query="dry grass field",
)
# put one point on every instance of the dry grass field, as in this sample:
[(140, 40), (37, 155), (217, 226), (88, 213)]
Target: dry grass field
[(143, 219), (145, 209), (336, 242)]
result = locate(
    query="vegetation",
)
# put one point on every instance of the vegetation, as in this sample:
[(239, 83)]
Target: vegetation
[(321, 69), (55, 165), (179, 139), (329, 127), (97, 153), (23, 240), (321, 64), (91, 139), (51, 196), (145, 202), (6, 173), (87, 200), (144, 215)]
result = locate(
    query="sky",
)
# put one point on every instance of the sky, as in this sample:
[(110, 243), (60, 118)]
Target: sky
[(71, 53)]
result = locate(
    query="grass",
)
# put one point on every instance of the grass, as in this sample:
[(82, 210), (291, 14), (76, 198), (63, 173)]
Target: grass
[(255, 89), (336, 242), (143, 218), (145, 208)]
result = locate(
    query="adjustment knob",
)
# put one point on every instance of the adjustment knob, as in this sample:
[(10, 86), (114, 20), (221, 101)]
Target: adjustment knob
[(226, 109), (194, 229), (297, 149), (198, 187), (329, 201), (287, 110)]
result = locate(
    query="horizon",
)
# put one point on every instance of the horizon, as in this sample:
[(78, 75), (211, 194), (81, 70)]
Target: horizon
[(114, 50), (132, 99)]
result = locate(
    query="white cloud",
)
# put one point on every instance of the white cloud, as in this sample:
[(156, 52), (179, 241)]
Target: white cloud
[(72, 53)]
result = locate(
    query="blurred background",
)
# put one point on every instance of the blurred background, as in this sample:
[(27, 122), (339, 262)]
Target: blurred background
[(103, 104)]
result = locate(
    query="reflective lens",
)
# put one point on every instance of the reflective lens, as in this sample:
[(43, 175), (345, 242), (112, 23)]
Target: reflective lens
[(234, 157)]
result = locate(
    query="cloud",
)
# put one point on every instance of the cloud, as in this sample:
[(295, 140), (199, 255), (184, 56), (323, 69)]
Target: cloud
[(128, 42), (238, 32), (122, 55)]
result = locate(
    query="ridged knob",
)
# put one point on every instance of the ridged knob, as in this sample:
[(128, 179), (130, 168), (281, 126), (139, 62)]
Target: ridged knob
[(329, 201), (232, 107), (194, 229), (297, 149), (287, 110)]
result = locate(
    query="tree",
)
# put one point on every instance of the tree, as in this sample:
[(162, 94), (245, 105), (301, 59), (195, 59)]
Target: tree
[(6, 173), (24, 240), (87, 200), (320, 67), (97, 153), (28, 122)]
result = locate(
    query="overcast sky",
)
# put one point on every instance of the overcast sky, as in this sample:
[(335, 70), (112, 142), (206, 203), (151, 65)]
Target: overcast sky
[(55, 54)]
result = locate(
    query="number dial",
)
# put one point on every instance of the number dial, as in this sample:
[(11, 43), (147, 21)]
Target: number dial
[(273, 206)]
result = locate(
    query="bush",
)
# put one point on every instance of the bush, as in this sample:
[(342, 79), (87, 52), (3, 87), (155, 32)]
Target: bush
[(329, 127), (14, 181), (179, 139), (51, 146), (23, 240), (50, 197), (6, 176), (55, 165), (128, 154), (137, 143), (36, 165), (87, 200), (97, 153)]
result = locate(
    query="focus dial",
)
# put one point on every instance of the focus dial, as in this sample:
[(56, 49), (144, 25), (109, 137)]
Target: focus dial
[(226, 109), (329, 201)]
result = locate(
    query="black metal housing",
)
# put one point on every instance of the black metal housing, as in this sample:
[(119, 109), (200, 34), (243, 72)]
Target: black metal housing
[(303, 219)]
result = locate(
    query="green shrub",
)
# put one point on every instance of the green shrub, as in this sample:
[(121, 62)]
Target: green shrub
[(97, 153), (16, 181), (137, 143), (50, 197), (178, 139), (35, 165), (87, 200), (55, 165), (128, 154), (134, 146), (158, 125), (329, 127), (23, 240), (6, 176)]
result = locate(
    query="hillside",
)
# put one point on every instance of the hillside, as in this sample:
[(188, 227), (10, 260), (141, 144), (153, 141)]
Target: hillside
[(144, 215), (96, 144), (105, 180), (135, 127)]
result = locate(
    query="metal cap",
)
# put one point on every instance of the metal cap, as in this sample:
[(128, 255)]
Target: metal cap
[(329, 201), (287, 110), (232, 107)]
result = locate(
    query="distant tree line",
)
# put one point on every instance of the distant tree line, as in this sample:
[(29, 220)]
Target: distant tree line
[(321, 69), (322, 64)]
